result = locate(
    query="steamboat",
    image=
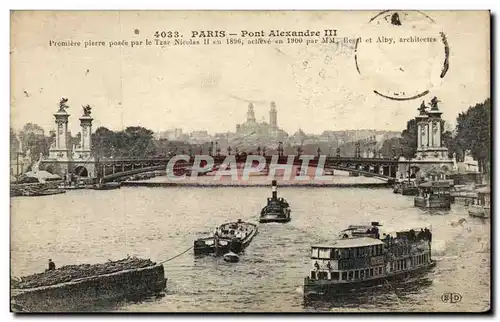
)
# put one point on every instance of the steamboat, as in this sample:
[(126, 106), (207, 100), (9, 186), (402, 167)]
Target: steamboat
[(434, 195), (277, 209), (360, 258), (229, 239)]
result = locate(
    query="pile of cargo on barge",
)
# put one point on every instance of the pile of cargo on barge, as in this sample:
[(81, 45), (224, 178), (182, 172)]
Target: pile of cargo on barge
[(74, 286)]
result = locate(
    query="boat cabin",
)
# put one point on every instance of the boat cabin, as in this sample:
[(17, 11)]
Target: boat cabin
[(348, 260)]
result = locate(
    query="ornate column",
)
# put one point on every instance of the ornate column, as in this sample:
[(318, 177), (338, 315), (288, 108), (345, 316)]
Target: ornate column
[(59, 149)]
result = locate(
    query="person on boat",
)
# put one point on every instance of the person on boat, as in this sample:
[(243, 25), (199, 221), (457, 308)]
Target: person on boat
[(421, 234), (412, 235), (52, 265), (316, 265), (428, 234)]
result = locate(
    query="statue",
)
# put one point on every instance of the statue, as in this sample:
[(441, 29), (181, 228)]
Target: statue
[(62, 105), (434, 103), (423, 108), (86, 110)]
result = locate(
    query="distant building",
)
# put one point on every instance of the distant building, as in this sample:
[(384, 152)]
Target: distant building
[(199, 137), (254, 133), (469, 165), (173, 135)]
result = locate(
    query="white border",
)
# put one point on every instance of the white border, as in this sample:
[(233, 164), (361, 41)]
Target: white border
[(189, 4)]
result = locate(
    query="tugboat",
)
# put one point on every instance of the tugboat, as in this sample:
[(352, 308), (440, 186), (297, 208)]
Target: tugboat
[(276, 210), (230, 237), (360, 258)]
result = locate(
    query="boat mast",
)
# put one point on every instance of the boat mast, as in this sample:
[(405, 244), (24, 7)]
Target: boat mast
[(275, 190)]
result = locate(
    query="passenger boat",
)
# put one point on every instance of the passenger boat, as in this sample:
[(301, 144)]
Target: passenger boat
[(277, 209), (434, 195), (74, 287), (481, 206), (230, 237), (361, 258)]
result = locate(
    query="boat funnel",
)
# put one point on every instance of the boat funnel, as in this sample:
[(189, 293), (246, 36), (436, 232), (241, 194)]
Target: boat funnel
[(275, 189)]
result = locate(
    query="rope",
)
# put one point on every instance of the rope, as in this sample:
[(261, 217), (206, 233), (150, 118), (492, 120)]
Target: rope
[(167, 260)]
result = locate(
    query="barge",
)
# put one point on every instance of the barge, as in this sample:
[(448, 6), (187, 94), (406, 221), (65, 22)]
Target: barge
[(277, 209), (72, 288), (360, 258), (230, 237)]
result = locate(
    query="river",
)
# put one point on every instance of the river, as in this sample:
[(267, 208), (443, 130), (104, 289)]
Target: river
[(90, 226)]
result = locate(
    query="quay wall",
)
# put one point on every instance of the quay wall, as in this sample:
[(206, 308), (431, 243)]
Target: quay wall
[(71, 296), (243, 185)]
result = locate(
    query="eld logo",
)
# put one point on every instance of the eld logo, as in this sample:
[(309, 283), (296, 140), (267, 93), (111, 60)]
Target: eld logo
[(451, 297)]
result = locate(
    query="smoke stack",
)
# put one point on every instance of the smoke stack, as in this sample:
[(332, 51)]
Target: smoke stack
[(275, 189)]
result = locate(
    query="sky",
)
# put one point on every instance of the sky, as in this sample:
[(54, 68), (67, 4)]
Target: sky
[(315, 87)]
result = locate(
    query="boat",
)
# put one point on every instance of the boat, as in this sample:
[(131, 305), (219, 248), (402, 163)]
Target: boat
[(71, 186), (229, 237), (406, 187), (73, 287), (276, 210), (481, 205), (231, 257), (106, 185), (37, 192), (360, 258), (396, 188), (434, 195)]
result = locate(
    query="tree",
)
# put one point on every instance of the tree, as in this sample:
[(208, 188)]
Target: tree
[(409, 139), (33, 139), (473, 133), (390, 147), (102, 141)]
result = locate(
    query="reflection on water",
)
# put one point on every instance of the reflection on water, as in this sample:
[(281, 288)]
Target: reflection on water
[(88, 226)]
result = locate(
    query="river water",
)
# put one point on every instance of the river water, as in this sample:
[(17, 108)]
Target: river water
[(89, 226)]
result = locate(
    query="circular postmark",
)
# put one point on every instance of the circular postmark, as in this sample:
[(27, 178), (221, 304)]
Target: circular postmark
[(402, 54)]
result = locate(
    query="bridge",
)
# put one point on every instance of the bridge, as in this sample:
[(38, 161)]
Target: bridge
[(113, 169)]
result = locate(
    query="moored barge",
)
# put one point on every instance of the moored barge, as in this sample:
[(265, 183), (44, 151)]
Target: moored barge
[(73, 287), (361, 258), (277, 209), (230, 237)]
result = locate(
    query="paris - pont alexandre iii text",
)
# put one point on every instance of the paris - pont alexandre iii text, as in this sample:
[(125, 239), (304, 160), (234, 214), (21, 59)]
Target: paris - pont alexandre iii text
[(262, 33)]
